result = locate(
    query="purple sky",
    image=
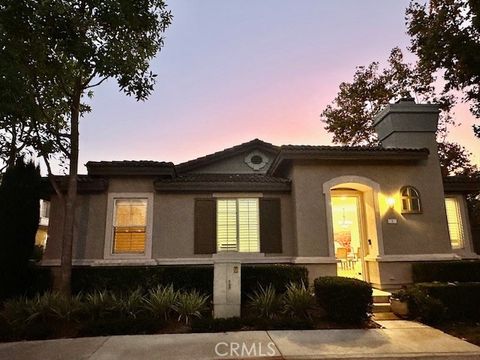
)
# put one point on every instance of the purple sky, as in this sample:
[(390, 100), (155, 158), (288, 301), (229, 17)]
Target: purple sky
[(232, 71)]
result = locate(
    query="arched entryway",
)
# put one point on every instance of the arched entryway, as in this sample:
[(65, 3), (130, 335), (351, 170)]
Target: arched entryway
[(353, 221)]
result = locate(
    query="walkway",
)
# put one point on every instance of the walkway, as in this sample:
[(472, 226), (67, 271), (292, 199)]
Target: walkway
[(398, 340)]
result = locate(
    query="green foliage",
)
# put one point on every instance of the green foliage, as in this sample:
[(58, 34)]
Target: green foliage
[(190, 304), (446, 271), (445, 35), (101, 304), (19, 217), (279, 276), (344, 299), (420, 305), (350, 116), (132, 304), (461, 300), (297, 300), (160, 301), (126, 279), (265, 302)]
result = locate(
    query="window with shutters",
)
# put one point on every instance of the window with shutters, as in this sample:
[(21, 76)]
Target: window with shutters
[(128, 232), (238, 225), (455, 225)]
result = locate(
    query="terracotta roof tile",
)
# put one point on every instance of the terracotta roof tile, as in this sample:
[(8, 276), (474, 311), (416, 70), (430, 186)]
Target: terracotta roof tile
[(225, 178)]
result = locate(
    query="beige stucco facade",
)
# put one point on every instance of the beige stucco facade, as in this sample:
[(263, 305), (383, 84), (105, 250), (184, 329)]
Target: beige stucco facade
[(392, 240)]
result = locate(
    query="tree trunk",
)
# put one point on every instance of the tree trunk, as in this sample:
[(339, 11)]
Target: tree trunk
[(64, 279)]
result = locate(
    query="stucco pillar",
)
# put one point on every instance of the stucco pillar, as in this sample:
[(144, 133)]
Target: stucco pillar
[(226, 286)]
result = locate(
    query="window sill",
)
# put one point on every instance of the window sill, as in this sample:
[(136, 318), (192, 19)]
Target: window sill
[(231, 255)]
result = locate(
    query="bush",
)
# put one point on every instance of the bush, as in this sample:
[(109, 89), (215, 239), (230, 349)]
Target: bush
[(120, 326), (127, 279), (344, 299), (297, 300), (265, 302), (446, 271), (161, 301), (420, 305), (279, 276), (462, 300), (190, 304)]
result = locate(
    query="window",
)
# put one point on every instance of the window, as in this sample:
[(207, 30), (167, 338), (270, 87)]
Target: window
[(411, 202), (129, 225), (454, 220), (238, 225)]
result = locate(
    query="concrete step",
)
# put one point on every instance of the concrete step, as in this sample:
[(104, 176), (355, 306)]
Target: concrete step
[(381, 298), (381, 307)]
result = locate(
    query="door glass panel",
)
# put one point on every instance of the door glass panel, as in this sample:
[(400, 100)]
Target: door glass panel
[(347, 235)]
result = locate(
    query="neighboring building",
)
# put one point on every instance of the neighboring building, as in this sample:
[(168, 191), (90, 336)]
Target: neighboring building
[(42, 231), (353, 211)]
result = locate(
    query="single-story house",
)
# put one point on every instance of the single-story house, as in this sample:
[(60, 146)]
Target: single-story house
[(364, 212)]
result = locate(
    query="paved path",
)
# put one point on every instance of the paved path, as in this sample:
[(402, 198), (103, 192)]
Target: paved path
[(398, 340)]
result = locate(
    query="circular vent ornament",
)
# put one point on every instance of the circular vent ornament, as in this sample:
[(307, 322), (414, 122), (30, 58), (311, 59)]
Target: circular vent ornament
[(256, 160)]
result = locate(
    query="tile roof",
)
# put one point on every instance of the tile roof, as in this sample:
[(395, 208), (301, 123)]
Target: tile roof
[(343, 148), (225, 178), (131, 167), (459, 183), (129, 163)]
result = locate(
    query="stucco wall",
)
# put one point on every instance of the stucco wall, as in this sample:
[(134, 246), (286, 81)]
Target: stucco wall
[(173, 222), (235, 165), (424, 233)]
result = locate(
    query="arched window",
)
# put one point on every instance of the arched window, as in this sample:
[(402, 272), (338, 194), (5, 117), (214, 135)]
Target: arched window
[(411, 203)]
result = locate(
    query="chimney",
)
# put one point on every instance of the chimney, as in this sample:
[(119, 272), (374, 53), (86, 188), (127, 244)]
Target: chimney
[(406, 124)]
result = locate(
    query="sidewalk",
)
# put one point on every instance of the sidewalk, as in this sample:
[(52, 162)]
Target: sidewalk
[(398, 340)]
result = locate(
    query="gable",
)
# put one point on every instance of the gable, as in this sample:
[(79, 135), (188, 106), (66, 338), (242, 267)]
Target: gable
[(253, 157)]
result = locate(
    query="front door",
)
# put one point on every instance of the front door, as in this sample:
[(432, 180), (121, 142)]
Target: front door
[(348, 233)]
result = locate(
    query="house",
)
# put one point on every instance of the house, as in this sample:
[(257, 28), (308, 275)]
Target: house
[(365, 212)]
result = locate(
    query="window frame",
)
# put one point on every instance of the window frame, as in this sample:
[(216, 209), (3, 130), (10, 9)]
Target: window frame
[(461, 225), (237, 223), (109, 231), (409, 198)]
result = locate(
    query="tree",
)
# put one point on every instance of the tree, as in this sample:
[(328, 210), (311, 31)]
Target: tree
[(445, 35), (65, 48), (19, 216), (350, 117)]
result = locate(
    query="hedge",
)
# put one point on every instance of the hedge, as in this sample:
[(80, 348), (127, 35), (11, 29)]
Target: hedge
[(462, 300), (344, 299), (128, 278), (446, 271), (278, 275)]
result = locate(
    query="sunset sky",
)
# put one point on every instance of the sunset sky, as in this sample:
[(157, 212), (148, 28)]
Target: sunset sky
[(232, 71)]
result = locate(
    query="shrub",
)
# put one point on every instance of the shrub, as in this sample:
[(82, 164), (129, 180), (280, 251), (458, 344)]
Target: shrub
[(460, 299), (344, 299), (190, 304), (132, 304), (420, 305), (120, 326), (265, 302), (101, 305), (127, 279), (42, 316), (446, 271), (297, 300), (279, 276), (160, 301)]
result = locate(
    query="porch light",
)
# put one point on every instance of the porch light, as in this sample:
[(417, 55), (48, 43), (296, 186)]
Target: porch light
[(391, 202)]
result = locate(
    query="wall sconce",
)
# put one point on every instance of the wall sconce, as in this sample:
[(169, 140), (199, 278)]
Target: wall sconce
[(391, 202)]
